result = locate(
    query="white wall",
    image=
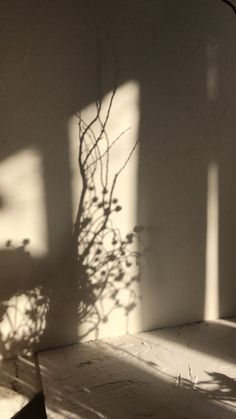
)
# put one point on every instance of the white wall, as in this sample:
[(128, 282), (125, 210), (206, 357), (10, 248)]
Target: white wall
[(173, 63)]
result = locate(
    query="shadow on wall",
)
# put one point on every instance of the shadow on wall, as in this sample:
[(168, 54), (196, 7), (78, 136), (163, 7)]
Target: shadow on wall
[(103, 257), (99, 261), (44, 63), (54, 65), (186, 165), (57, 61), (23, 309)]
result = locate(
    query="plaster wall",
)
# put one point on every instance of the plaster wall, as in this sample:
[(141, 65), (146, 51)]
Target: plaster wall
[(173, 63)]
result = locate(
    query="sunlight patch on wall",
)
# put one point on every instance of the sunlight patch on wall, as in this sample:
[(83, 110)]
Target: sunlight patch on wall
[(104, 194), (211, 309), (22, 212), (23, 321)]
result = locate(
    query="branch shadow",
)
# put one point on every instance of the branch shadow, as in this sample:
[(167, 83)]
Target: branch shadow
[(103, 258)]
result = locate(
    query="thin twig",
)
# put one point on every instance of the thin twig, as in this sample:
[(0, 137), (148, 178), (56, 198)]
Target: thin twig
[(230, 4)]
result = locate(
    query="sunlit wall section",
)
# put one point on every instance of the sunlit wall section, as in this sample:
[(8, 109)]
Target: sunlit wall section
[(22, 211), (104, 158), (211, 304), (23, 239), (211, 309)]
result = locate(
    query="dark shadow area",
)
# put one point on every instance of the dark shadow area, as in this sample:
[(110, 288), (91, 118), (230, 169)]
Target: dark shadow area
[(34, 409), (19, 384), (224, 391), (1, 202)]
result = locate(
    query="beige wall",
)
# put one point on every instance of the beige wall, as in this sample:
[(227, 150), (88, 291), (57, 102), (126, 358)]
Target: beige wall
[(173, 63)]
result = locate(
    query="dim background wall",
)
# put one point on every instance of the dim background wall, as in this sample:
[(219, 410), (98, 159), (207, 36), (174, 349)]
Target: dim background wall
[(57, 58)]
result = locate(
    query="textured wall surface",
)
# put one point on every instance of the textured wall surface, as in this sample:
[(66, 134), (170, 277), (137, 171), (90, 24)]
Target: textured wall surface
[(173, 63)]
